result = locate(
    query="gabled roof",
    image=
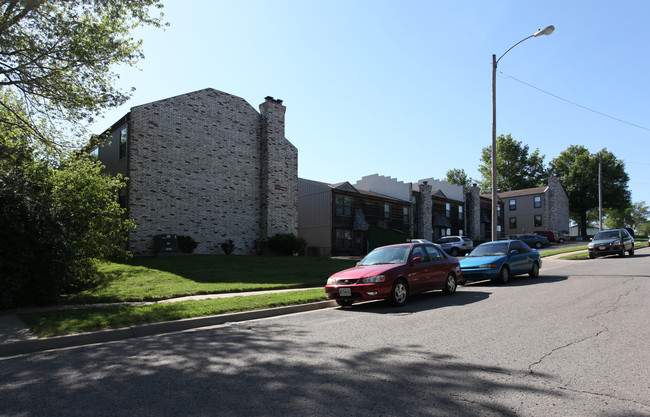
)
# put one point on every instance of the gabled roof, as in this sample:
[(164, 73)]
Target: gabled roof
[(524, 192)]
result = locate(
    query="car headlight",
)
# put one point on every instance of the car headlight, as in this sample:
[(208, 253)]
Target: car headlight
[(331, 281), (374, 280), (590, 246), (616, 243), (488, 266)]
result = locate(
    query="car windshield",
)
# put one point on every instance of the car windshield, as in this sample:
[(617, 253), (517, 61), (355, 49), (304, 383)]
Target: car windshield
[(387, 255), (490, 249), (610, 234)]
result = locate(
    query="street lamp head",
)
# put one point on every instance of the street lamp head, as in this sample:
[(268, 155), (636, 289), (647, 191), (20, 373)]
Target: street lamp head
[(546, 31)]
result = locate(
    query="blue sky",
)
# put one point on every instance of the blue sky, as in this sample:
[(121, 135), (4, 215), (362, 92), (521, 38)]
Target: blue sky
[(403, 88)]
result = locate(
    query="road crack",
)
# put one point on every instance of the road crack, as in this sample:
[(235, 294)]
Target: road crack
[(594, 317)]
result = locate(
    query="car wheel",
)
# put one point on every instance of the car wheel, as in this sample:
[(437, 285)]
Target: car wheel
[(454, 252), (561, 240), (622, 253), (400, 293), (504, 275), (631, 252), (592, 256), (538, 245), (450, 284), (534, 272), (344, 303)]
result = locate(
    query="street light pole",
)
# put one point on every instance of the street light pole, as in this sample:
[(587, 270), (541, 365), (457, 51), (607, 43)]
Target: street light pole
[(600, 190), (546, 31)]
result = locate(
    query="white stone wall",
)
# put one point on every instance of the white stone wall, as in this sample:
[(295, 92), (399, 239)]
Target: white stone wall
[(196, 168)]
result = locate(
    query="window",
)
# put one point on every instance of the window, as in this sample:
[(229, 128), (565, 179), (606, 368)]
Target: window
[(124, 134), (405, 215), (460, 232), (448, 232), (448, 210), (343, 239), (538, 221), (537, 201), (513, 204), (434, 253), (387, 212), (460, 213), (94, 154), (343, 206), (513, 222)]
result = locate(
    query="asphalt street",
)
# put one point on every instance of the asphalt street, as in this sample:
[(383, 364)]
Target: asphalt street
[(573, 342)]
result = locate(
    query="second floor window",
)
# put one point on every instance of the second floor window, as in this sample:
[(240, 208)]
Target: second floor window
[(460, 212), (387, 212), (538, 201), (513, 204), (343, 206), (405, 215), (448, 210), (124, 136)]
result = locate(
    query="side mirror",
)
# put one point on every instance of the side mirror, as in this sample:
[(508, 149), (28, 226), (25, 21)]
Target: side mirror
[(513, 252), (416, 260)]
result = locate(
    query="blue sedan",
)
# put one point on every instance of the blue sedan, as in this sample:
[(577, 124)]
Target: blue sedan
[(500, 260)]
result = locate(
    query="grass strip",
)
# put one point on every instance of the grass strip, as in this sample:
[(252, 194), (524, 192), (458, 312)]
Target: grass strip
[(151, 279), (72, 321)]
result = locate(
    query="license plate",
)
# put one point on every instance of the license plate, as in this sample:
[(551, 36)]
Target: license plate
[(602, 248), (345, 292)]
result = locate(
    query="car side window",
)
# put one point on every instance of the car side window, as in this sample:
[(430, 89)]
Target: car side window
[(418, 252), (434, 253), (518, 247)]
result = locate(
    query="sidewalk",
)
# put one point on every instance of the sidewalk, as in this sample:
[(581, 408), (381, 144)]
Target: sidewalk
[(16, 338)]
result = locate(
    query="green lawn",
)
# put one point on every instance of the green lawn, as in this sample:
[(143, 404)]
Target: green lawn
[(151, 279), (147, 279), (63, 322)]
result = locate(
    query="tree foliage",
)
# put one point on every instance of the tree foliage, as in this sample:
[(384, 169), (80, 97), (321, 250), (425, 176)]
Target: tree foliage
[(56, 58), (55, 224), (577, 170), (458, 177), (59, 213), (517, 167), (633, 216)]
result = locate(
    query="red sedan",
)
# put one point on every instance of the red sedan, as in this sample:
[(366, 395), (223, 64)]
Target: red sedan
[(394, 272)]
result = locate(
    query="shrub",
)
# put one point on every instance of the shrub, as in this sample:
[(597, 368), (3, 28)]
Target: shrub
[(186, 244), (286, 244)]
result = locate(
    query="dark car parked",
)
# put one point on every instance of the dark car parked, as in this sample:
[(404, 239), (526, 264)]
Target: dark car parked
[(534, 241), (611, 242)]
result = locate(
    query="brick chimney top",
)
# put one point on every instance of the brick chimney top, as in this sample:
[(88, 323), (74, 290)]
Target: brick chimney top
[(270, 99)]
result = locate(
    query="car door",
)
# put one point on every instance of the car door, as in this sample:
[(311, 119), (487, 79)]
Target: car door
[(519, 258), (419, 273), (439, 268)]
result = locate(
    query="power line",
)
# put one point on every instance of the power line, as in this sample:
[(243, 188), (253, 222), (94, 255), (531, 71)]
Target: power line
[(575, 104)]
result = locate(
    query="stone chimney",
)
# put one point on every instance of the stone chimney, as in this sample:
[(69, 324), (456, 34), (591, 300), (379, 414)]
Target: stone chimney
[(279, 172)]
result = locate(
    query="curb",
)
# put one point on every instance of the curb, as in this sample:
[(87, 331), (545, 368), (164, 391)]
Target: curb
[(103, 336)]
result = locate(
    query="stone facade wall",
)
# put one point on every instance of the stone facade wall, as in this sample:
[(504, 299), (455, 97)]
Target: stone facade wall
[(279, 173), (197, 169), (425, 211), (473, 217), (558, 211)]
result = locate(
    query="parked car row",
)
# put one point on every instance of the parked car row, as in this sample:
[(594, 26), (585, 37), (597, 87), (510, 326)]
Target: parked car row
[(395, 272)]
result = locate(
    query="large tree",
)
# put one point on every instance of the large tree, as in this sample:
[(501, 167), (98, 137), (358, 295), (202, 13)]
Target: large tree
[(517, 167), (56, 59), (577, 170), (58, 212)]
